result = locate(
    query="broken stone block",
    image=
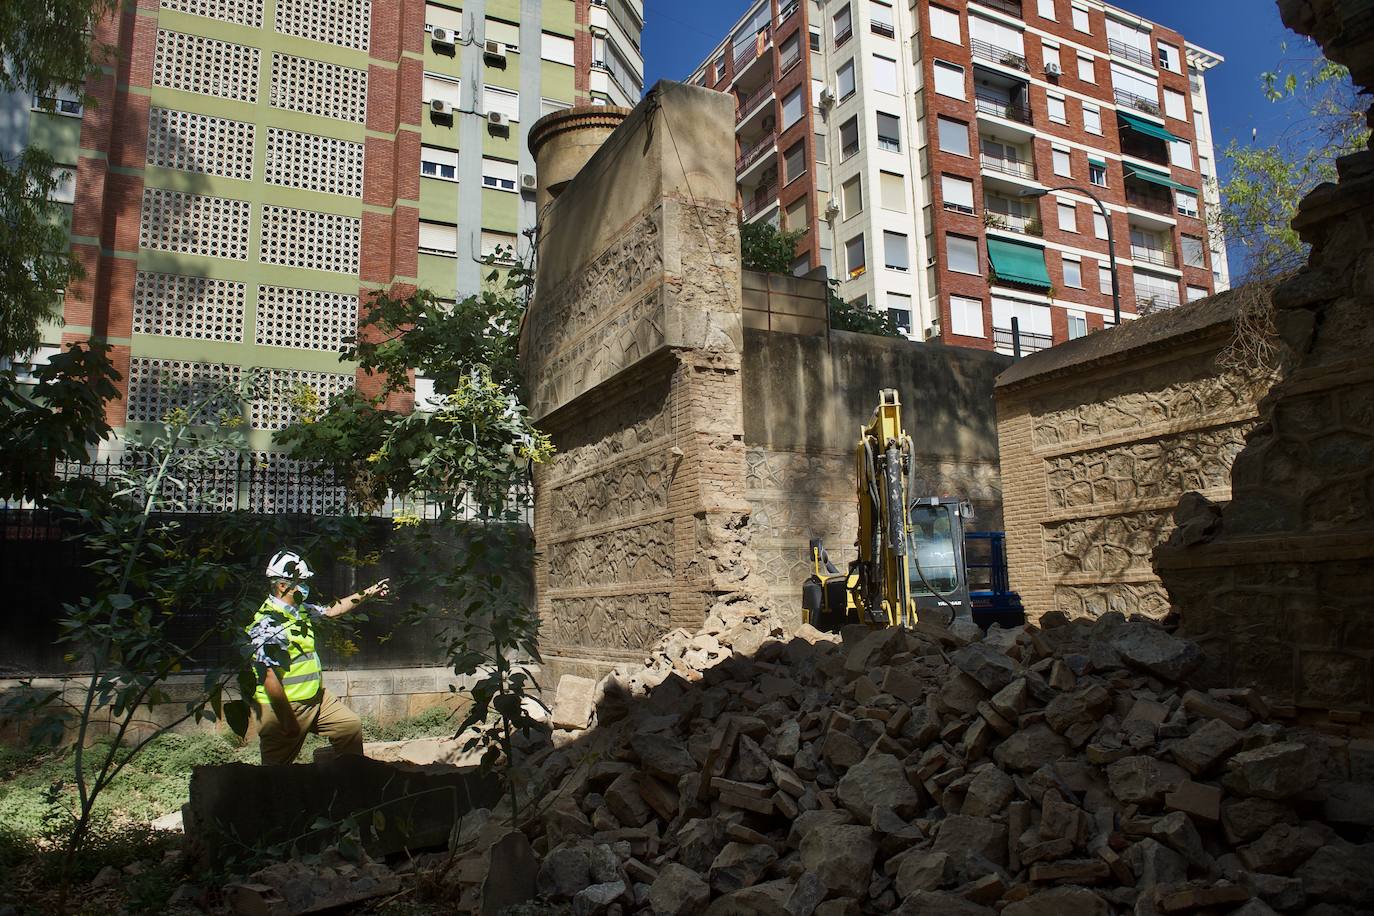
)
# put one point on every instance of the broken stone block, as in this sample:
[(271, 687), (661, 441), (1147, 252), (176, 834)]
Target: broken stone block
[(1340, 873), (1243, 819), (879, 780), (1059, 901), (1200, 704), (625, 801), (990, 668), (1176, 830), (1030, 748), (960, 835), (841, 855), (663, 756), (678, 891), (1197, 799), (1147, 647), (1206, 747), (1281, 849), (739, 865), (935, 903), (923, 871), (1071, 871), (988, 792), (1154, 864), (1199, 898), (808, 893), (1276, 771), (1143, 780), (573, 702), (598, 898)]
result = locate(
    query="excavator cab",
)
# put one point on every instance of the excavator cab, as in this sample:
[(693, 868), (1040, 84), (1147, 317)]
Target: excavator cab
[(938, 581)]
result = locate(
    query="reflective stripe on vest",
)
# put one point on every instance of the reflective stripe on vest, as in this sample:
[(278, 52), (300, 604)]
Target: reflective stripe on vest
[(304, 677)]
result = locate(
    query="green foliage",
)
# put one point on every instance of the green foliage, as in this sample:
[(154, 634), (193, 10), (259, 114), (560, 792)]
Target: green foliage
[(1267, 183), (845, 316), (764, 246)]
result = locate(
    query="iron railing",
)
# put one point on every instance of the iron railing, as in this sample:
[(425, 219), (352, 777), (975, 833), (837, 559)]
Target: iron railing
[(1138, 102), (755, 151), (1010, 222), (1161, 256), (761, 200), (842, 36), (1021, 168), (953, 207), (1155, 203), (1146, 303), (1002, 108), (750, 101), (753, 49), (882, 28), (985, 50), (1030, 343), (1126, 52)]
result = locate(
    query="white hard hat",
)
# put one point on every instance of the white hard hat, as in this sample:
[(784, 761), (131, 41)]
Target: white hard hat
[(287, 564)]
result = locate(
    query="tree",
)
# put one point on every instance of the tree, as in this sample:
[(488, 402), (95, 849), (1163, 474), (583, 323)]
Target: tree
[(845, 316), (1267, 183), (765, 247)]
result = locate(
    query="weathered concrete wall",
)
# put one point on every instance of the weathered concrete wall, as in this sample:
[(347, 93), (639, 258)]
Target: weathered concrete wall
[(808, 396), (632, 350), (1099, 438), (1278, 585)]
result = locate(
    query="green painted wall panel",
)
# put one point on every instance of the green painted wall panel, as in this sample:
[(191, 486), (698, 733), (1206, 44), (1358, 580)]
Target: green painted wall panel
[(58, 134), (503, 146), (437, 274), (439, 133), (560, 17), (507, 77), (556, 81), (500, 210), (508, 10), (438, 200)]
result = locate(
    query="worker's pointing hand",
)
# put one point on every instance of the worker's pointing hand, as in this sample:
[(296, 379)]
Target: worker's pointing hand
[(379, 590)]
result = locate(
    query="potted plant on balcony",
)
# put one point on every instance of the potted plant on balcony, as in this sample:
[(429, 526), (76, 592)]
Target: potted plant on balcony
[(994, 220), (1015, 61), (1034, 226)]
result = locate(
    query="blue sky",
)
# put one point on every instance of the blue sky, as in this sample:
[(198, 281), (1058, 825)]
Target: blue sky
[(1248, 33)]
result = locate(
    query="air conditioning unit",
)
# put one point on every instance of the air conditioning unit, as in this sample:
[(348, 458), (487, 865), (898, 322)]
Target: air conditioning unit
[(1053, 69), (497, 119), (494, 51), (529, 183), (446, 38), (832, 208), (827, 96), (931, 331), (440, 108)]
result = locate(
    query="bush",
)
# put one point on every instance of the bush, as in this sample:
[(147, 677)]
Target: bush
[(765, 247)]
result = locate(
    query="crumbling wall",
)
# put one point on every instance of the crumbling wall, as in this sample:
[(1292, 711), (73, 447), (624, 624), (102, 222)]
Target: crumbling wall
[(1278, 586), (808, 396), (1099, 438), (631, 349)]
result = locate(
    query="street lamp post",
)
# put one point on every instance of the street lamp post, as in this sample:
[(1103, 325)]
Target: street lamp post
[(1111, 239)]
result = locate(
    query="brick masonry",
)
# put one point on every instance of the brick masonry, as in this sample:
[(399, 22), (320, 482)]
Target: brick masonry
[(1099, 438)]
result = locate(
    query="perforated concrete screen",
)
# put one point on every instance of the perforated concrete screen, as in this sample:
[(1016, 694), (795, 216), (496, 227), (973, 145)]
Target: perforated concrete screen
[(307, 319), (197, 307), (281, 484), (243, 12), (156, 386), (216, 227), (342, 22), (318, 88), (310, 239), (273, 408), (200, 143), (205, 65), (297, 160)]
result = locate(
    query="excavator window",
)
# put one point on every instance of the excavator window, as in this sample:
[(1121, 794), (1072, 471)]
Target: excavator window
[(932, 549)]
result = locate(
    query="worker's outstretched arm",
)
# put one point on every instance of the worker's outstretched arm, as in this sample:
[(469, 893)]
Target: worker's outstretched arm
[(344, 605), (281, 706)]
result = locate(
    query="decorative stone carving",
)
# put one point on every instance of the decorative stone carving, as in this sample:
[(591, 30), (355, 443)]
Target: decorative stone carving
[(1107, 546), (1156, 395), (614, 622), (1152, 469), (1147, 598), (640, 554), (620, 492)]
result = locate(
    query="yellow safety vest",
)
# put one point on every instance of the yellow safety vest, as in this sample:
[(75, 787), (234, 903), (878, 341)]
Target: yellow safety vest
[(305, 677)]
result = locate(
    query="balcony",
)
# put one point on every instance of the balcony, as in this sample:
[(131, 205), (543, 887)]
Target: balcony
[(1126, 52), (1010, 7), (1146, 303), (843, 35), (787, 12), (1012, 222), (1000, 107), (753, 49), (755, 151), (884, 29), (1019, 168), (984, 50), (761, 199), (751, 101), (1030, 343), (952, 207), (1138, 102), (1153, 203), (1162, 257)]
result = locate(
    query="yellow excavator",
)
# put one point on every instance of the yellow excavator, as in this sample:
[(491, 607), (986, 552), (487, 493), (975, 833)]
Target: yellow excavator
[(910, 559)]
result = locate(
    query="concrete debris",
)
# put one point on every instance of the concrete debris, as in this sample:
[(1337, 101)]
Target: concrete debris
[(294, 888), (1065, 770)]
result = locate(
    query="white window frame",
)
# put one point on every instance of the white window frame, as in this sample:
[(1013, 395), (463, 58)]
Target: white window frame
[(1057, 108), (896, 243), (1077, 265), (1046, 10), (1077, 321), (1067, 212), (1092, 119), (884, 67), (433, 231), (1181, 154), (939, 25), (966, 316), (494, 172), (1055, 158), (506, 101), (940, 121), (1175, 104), (949, 70), (439, 157), (1090, 63), (963, 240), (1080, 20)]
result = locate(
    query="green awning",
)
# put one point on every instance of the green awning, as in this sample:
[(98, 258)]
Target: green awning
[(1014, 262), (1159, 178), (1100, 163), (1148, 128)]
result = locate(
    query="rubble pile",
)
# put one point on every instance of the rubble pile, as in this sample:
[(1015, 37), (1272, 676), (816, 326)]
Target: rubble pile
[(1074, 769)]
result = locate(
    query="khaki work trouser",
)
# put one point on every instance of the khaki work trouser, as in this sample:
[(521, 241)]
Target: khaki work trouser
[(324, 714)]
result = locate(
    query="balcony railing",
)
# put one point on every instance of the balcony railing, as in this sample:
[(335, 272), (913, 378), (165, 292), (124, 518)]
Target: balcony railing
[(1010, 7), (1030, 343), (761, 200), (755, 151), (843, 35), (882, 28), (1026, 225), (953, 207), (1126, 52), (1145, 303), (1138, 102), (1155, 203), (751, 101), (787, 12), (1002, 108), (985, 50), (1161, 256), (1019, 167), (751, 50)]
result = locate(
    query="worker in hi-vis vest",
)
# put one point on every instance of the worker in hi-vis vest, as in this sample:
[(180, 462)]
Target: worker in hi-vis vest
[(291, 696)]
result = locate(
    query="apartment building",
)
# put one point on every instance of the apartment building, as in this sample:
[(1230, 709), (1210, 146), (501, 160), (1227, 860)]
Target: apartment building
[(249, 171), (939, 158)]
